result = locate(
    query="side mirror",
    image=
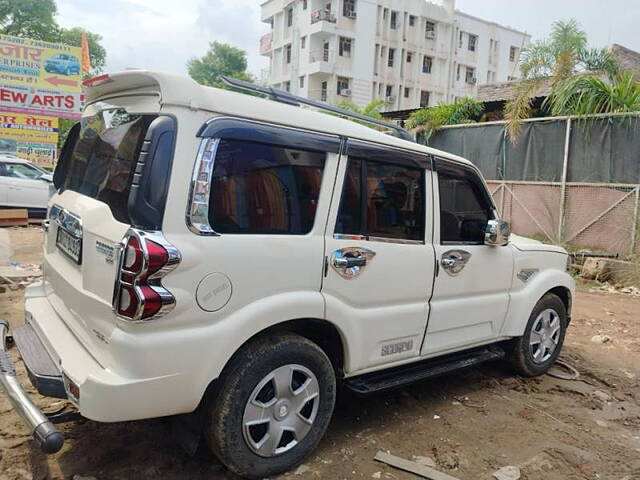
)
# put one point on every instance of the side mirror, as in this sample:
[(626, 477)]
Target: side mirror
[(497, 233)]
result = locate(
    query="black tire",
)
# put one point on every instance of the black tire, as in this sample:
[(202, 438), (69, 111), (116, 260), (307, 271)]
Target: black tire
[(225, 431), (521, 353)]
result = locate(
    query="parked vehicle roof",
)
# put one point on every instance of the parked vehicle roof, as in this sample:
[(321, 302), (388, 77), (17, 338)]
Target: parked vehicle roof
[(181, 90), (4, 157)]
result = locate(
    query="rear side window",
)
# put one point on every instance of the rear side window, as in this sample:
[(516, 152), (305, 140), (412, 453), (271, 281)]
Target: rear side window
[(389, 203), (464, 209), (103, 159), (264, 189)]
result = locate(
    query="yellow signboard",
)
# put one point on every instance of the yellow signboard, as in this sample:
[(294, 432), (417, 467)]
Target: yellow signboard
[(40, 78), (32, 137)]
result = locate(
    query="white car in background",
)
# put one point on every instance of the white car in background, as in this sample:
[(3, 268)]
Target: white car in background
[(24, 185)]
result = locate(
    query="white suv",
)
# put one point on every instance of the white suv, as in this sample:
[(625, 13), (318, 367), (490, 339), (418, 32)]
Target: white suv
[(238, 258)]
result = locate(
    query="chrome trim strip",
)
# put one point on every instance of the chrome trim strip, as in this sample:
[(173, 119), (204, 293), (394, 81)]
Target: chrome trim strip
[(396, 240), (197, 214), (153, 281), (360, 238)]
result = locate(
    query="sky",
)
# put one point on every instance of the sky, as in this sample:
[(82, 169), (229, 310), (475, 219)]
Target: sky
[(164, 34)]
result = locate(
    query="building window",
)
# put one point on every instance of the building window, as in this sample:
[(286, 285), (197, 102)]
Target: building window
[(349, 8), (409, 56), (289, 16), (430, 30), (407, 92), (470, 76), (427, 63), (343, 86), (258, 188), (473, 40), (303, 42), (394, 19), (513, 54), (394, 201), (323, 91), (392, 52), (287, 53), (287, 86), (304, 4), (345, 47), (461, 39), (385, 13), (301, 81), (389, 92), (424, 98), (412, 20), (458, 72)]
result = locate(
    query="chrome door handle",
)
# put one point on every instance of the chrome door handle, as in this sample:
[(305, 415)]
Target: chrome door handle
[(349, 262), (453, 261)]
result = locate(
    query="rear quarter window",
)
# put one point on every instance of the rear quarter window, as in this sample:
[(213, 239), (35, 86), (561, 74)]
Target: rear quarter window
[(258, 188)]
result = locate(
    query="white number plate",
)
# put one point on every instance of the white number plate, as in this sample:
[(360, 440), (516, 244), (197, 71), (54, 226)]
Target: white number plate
[(69, 244)]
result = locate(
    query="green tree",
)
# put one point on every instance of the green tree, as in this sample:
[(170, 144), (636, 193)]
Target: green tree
[(29, 19), (428, 120), (560, 57), (221, 59), (371, 109)]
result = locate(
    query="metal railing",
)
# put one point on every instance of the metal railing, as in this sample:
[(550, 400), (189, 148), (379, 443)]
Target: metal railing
[(322, 15)]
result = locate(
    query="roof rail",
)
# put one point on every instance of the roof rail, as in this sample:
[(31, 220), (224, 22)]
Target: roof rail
[(295, 100)]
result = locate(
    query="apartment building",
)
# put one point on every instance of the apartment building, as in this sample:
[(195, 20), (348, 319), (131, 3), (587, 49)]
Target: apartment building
[(410, 53)]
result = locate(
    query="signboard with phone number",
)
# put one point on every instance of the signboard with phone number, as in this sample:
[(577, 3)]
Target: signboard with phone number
[(40, 78)]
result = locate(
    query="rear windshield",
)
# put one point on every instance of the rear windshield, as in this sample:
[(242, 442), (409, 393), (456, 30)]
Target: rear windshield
[(103, 159)]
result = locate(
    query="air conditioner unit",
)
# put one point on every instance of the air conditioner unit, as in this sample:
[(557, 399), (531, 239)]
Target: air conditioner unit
[(350, 14), (430, 35), (390, 98), (345, 92)]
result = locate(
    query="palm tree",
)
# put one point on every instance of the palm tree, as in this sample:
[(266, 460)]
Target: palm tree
[(428, 120), (563, 55), (583, 95), (371, 109)]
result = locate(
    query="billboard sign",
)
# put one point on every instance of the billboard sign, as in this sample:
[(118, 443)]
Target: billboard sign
[(32, 137), (40, 78)]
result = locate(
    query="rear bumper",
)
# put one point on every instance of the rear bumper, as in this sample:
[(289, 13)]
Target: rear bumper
[(103, 394), (43, 431)]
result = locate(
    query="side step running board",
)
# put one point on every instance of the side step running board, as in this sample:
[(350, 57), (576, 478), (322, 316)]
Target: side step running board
[(418, 371)]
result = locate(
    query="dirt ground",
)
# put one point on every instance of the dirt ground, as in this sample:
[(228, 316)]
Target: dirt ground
[(469, 424)]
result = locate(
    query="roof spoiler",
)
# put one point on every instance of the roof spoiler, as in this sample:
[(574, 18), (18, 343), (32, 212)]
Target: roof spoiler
[(290, 99)]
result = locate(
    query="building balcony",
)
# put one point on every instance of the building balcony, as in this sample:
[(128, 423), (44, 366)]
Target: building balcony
[(322, 15)]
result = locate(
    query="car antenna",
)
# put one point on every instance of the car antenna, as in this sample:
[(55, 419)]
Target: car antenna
[(295, 100)]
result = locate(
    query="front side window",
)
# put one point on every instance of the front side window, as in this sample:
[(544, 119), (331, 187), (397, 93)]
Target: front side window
[(464, 208), (390, 202), (258, 188)]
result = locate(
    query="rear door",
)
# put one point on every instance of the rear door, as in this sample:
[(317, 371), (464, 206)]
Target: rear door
[(89, 216), (380, 269), (471, 291)]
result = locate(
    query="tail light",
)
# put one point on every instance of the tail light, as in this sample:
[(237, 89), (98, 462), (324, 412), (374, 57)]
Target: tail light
[(145, 258)]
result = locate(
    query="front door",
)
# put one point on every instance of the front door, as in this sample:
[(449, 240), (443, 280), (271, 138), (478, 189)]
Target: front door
[(379, 269), (471, 290)]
